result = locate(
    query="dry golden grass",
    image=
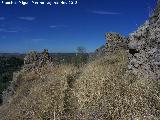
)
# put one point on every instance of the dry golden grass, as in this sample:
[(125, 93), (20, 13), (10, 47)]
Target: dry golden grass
[(38, 96), (102, 90), (107, 91)]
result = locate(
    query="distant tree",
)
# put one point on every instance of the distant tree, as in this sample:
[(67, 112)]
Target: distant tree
[(80, 50), (81, 56)]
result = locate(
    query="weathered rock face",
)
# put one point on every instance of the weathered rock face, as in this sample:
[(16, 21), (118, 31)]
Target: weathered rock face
[(115, 41), (145, 61), (35, 60)]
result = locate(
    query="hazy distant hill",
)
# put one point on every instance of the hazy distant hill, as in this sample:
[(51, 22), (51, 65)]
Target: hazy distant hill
[(12, 55), (22, 54)]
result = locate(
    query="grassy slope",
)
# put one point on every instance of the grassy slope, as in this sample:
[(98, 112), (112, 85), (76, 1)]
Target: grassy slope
[(103, 89)]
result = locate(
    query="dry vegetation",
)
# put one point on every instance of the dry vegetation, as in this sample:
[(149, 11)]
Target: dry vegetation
[(106, 90), (101, 90)]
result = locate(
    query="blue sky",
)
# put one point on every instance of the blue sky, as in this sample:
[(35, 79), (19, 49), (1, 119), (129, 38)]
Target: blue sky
[(62, 28)]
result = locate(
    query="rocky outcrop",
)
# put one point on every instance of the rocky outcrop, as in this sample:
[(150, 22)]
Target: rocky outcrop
[(145, 61), (114, 42), (36, 60), (32, 61)]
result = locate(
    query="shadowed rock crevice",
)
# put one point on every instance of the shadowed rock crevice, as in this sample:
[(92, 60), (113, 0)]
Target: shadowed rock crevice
[(133, 51)]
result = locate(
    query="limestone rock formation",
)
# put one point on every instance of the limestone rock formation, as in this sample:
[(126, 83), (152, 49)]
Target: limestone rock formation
[(145, 61), (115, 41), (35, 60)]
